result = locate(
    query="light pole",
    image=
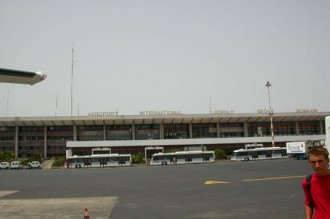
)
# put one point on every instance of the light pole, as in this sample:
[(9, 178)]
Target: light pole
[(72, 64), (270, 114)]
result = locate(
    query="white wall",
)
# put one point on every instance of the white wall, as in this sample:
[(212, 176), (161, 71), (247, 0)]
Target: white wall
[(327, 133)]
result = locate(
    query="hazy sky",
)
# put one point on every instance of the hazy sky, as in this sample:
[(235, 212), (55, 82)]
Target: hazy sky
[(155, 55)]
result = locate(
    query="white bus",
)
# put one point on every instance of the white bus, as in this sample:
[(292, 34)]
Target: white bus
[(182, 157), (259, 153), (98, 160)]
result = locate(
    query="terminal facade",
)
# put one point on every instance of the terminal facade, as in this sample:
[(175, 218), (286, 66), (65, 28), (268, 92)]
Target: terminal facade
[(130, 134)]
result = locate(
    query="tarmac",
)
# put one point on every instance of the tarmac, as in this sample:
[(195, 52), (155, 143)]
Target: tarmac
[(64, 208), (56, 208), (254, 189)]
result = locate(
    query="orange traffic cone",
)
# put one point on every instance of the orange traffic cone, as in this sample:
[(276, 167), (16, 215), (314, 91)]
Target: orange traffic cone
[(86, 214)]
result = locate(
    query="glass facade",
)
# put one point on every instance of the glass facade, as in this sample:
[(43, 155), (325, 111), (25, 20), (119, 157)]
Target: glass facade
[(230, 130), (204, 130), (309, 128), (176, 131), (119, 132), (143, 132), (90, 133), (7, 138), (57, 136), (30, 140)]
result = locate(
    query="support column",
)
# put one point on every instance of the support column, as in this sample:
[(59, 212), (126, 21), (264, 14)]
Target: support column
[(133, 131), (16, 141), (45, 141), (218, 130), (161, 131), (246, 132), (190, 130), (321, 128), (104, 133), (75, 135), (297, 128)]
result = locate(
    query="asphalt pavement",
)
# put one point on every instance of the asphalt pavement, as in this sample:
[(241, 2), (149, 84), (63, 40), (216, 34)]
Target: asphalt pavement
[(253, 189)]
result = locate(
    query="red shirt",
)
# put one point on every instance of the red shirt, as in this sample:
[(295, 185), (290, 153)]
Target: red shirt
[(320, 191)]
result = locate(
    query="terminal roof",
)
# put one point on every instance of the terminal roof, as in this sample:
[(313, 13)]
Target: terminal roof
[(160, 119)]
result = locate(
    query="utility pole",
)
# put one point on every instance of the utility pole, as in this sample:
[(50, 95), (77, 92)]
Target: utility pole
[(72, 64), (270, 114)]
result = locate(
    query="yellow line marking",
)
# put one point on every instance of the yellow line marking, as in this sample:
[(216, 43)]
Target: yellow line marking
[(273, 178), (214, 182)]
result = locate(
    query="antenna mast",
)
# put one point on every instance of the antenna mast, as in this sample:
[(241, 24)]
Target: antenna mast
[(56, 104), (7, 102), (72, 64), (210, 107)]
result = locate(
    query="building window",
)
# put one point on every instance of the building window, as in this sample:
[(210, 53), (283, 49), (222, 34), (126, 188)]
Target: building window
[(204, 130), (176, 131)]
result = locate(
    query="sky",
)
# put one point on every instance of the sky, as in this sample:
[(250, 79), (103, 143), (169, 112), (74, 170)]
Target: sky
[(192, 56)]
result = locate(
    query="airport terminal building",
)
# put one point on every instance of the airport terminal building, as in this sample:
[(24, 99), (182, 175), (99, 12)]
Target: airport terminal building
[(172, 130)]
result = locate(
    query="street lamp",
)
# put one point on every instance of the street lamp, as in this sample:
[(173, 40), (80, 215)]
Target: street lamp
[(270, 114)]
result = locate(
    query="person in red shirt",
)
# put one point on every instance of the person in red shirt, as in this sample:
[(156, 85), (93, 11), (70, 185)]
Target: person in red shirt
[(317, 197)]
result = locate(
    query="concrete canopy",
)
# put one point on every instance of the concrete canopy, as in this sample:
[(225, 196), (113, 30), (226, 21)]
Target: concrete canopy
[(160, 119)]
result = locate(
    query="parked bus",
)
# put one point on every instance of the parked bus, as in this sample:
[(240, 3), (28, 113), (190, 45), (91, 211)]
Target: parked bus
[(182, 157), (259, 153), (98, 160)]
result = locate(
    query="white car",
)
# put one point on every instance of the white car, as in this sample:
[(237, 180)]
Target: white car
[(16, 165), (4, 165), (34, 165)]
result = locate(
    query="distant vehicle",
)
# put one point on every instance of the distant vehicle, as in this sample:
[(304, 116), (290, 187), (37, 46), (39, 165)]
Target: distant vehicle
[(259, 153), (21, 77), (298, 150), (16, 165), (98, 160), (34, 165), (4, 165), (182, 157)]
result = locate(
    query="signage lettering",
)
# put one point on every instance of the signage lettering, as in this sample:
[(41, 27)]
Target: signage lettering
[(156, 113), (306, 110), (264, 111), (103, 114), (223, 112)]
